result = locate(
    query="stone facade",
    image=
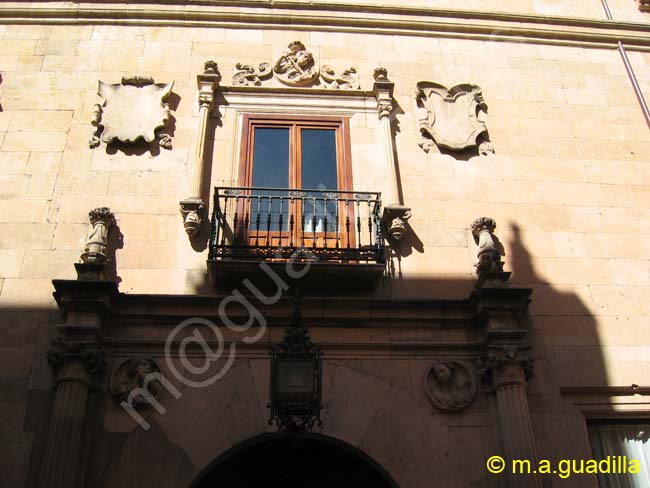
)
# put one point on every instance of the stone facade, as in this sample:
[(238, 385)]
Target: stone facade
[(567, 182)]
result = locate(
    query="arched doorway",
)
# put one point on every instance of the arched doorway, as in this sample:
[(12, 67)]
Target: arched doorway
[(305, 461)]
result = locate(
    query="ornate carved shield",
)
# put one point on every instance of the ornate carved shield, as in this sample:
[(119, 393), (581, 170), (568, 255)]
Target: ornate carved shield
[(133, 109), (296, 67), (454, 117)]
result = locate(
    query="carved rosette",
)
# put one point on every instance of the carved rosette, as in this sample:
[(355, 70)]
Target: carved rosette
[(490, 249), (453, 118), (450, 385), (506, 365), (248, 75), (134, 374), (133, 109), (75, 362), (296, 67), (101, 220)]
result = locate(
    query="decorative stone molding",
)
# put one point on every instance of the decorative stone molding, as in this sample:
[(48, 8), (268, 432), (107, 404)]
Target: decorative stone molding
[(395, 220), (76, 362), (490, 249), (454, 118), (450, 385), (132, 110), (296, 67), (348, 79), (192, 208), (101, 221), (248, 75), (506, 365), (131, 375)]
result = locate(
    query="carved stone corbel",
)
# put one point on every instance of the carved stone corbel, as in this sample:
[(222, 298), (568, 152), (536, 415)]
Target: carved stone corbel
[(192, 212), (193, 208), (395, 219)]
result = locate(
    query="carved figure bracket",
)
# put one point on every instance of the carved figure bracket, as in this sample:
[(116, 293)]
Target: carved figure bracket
[(450, 385), (133, 109), (453, 118)]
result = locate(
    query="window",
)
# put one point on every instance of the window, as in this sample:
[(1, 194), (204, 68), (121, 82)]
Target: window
[(621, 442), (309, 158)]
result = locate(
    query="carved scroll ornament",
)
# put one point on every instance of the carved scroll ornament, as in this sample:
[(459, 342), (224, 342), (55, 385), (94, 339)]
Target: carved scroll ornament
[(348, 79), (453, 118), (450, 385), (248, 75), (133, 109)]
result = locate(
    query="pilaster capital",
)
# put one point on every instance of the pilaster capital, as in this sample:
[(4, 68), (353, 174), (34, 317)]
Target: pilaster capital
[(76, 362), (383, 89), (207, 83), (506, 365)]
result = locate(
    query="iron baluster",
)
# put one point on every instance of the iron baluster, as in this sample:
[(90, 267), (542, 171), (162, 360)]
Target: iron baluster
[(358, 224), (280, 219), (302, 222), (337, 202), (313, 221), (257, 222), (369, 226), (225, 220), (325, 224), (235, 219), (268, 221), (347, 229)]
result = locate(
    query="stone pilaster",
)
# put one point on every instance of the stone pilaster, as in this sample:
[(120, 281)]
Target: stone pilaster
[(75, 367), (193, 207), (395, 215)]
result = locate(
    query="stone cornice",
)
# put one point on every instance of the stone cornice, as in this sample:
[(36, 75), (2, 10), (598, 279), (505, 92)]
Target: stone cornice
[(392, 20)]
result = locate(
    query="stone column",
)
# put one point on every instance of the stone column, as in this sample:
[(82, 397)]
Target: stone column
[(395, 214), (74, 368), (505, 369), (193, 207)]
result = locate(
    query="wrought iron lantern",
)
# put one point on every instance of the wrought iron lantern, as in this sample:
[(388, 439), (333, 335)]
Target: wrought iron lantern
[(296, 377)]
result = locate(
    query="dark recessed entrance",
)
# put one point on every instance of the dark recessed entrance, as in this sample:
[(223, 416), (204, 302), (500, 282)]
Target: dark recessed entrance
[(313, 461)]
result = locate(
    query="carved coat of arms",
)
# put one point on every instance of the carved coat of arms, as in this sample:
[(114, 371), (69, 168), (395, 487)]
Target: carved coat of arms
[(132, 109), (454, 118), (296, 67)]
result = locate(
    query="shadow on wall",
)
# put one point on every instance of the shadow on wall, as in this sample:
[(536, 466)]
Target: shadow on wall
[(558, 348)]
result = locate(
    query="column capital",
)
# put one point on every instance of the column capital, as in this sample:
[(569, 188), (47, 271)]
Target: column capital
[(506, 365), (76, 362)]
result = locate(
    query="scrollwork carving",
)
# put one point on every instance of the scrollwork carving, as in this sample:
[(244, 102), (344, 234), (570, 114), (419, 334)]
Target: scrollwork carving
[(248, 75), (348, 79)]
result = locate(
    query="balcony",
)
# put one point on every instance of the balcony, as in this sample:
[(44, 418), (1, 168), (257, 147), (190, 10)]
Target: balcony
[(338, 233)]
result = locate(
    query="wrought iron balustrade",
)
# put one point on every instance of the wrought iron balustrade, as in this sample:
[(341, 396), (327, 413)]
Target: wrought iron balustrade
[(278, 223)]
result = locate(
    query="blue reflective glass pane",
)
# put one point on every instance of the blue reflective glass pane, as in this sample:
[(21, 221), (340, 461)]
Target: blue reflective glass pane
[(271, 157), (319, 159), (270, 170), (319, 172)]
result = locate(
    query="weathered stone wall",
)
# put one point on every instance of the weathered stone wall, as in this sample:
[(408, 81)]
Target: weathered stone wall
[(568, 185)]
